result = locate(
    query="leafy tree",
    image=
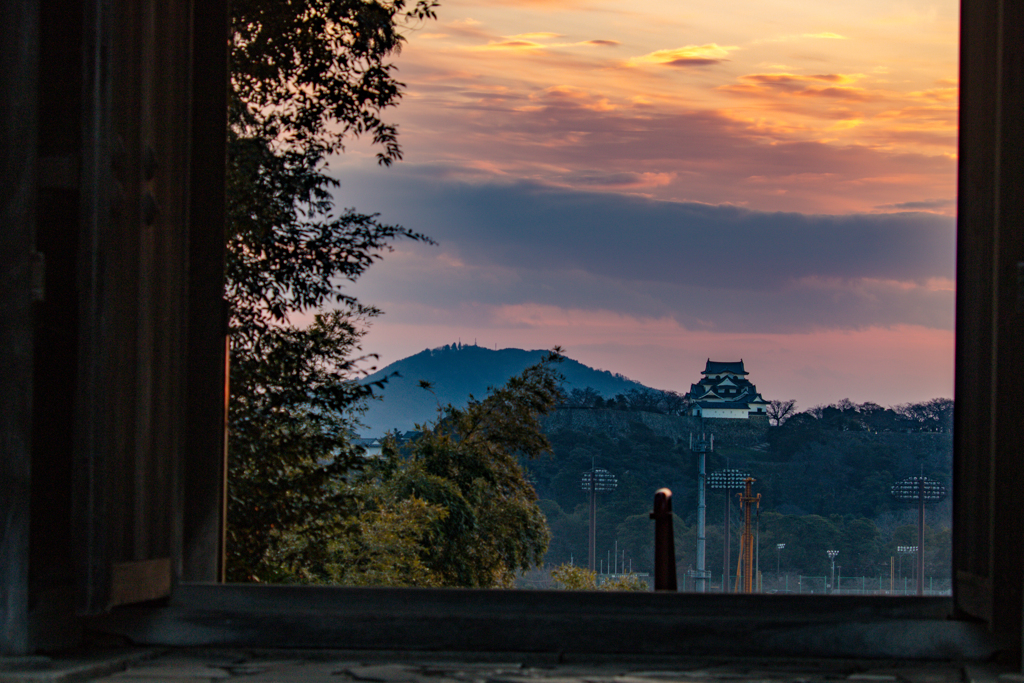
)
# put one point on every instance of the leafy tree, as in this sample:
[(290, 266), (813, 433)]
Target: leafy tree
[(648, 400), (807, 539), (582, 398), (780, 411), (467, 463), (860, 546), (306, 76), (676, 403), (289, 446), (380, 545), (574, 578), (935, 415)]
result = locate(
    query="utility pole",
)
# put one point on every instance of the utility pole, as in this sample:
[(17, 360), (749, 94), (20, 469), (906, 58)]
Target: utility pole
[(747, 541), (592, 555), (757, 549), (701, 449)]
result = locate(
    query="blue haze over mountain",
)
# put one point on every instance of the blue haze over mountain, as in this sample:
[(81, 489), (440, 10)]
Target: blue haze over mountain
[(457, 371)]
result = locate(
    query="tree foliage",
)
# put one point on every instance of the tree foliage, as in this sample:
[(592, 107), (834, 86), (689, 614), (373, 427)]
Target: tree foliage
[(780, 411), (468, 464), (289, 442), (305, 77), (643, 400), (574, 578), (825, 477)]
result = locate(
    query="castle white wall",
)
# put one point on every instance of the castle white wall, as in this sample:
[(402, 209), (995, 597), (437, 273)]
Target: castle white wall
[(729, 413)]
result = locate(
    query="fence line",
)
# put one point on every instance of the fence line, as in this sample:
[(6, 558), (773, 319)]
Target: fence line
[(846, 585)]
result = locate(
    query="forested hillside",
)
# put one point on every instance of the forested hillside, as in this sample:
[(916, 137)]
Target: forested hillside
[(824, 476), (456, 371)]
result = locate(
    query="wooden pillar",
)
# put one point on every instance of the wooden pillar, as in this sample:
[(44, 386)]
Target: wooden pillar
[(988, 553), (205, 472), (19, 23)]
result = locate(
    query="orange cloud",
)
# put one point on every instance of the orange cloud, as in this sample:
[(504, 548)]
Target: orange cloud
[(529, 41), (691, 55), (571, 95), (799, 86), (512, 44), (826, 35), (539, 35), (946, 94)]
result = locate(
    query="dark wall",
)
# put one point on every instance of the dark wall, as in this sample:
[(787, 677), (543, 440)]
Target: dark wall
[(987, 557), (19, 44), (113, 131)]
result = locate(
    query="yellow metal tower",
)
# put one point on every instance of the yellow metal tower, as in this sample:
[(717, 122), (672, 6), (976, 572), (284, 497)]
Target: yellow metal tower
[(747, 540)]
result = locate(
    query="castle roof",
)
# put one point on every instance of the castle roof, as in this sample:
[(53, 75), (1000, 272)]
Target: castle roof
[(715, 367)]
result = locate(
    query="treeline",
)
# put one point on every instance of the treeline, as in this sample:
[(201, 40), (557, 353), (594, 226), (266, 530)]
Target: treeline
[(935, 415), (825, 477), (646, 400)]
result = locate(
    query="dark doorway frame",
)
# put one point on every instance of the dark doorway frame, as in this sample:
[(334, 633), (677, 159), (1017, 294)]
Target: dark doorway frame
[(171, 551)]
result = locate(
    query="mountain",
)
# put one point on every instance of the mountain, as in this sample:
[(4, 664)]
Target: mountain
[(456, 371)]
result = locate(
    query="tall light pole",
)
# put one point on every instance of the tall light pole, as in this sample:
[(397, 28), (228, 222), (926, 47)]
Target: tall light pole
[(905, 550), (923, 490), (747, 498), (727, 480), (757, 551), (701, 448), (778, 554), (596, 481), (832, 556)]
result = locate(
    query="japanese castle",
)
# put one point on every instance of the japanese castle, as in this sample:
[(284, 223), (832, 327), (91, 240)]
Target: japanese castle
[(725, 392)]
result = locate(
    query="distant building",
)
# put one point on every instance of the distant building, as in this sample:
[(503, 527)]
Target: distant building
[(371, 447), (725, 392)]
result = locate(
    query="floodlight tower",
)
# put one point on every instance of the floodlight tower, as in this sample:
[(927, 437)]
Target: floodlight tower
[(923, 490), (905, 550), (596, 481), (728, 480), (832, 556)]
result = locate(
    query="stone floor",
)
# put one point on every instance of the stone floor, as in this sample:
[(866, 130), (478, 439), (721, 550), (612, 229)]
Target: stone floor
[(289, 666)]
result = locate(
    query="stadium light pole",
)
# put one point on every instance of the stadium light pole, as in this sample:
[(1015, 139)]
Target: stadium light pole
[(832, 556), (922, 490), (727, 480), (596, 481), (778, 555), (905, 550)]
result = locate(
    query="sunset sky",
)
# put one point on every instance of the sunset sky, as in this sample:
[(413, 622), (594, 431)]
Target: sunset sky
[(652, 184)]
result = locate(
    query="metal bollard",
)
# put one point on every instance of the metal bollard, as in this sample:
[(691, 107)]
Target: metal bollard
[(664, 545)]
